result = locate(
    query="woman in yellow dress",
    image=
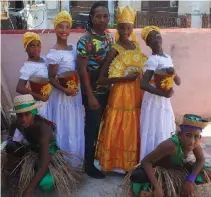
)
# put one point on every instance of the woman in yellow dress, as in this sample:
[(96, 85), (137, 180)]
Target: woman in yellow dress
[(119, 142)]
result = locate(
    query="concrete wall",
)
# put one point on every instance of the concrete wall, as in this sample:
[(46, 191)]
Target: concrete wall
[(189, 48), (187, 7)]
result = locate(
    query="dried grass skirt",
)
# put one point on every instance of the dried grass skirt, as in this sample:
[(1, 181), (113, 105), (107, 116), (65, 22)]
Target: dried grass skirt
[(172, 182), (63, 177)]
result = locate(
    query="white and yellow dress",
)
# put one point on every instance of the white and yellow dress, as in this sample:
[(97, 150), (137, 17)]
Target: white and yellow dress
[(119, 141)]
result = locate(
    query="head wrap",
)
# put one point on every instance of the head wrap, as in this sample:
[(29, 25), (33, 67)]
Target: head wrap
[(29, 37), (146, 30), (126, 15), (62, 16)]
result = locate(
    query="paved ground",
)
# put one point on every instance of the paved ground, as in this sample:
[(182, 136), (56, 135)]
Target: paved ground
[(103, 188)]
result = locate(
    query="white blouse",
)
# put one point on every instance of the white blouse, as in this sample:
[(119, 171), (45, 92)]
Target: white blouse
[(66, 59), (157, 62), (34, 69)]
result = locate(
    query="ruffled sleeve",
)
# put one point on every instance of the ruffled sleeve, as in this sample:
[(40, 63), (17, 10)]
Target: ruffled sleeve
[(26, 71), (53, 57), (151, 63)]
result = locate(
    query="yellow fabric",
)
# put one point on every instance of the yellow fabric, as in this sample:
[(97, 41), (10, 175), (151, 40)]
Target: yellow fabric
[(125, 15), (119, 138), (62, 16), (146, 30), (29, 37), (126, 62)]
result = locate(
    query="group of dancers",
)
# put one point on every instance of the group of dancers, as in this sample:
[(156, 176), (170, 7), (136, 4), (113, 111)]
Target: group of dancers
[(101, 100)]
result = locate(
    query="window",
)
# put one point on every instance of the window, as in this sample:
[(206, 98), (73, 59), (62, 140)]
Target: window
[(160, 6), (173, 4)]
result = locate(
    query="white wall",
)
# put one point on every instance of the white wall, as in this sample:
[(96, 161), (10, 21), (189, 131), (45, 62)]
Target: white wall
[(187, 7), (134, 4)]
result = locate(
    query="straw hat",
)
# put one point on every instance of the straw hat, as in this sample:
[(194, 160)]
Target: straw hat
[(193, 120), (24, 103)]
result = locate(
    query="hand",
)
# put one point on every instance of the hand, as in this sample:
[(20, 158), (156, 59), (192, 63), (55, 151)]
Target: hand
[(44, 98), (132, 77), (188, 189), (158, 191), (168, 94), (70, 92), (170, 70), (93, 103)]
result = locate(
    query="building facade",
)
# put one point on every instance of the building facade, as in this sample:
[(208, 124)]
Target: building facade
[(166, 14)]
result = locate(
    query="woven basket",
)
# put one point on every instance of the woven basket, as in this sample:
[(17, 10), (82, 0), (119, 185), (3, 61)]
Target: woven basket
[(38, 85), (69, 79), (199, 124)]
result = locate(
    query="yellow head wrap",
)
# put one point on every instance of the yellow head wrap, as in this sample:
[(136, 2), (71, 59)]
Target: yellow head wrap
[(146, 30), (62, 16), (30, 36), (126, 15)]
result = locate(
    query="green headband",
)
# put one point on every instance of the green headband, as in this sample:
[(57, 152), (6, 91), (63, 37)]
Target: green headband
[(25, 105)]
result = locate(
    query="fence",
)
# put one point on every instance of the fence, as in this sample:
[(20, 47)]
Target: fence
[(143, 18), (163, 20)]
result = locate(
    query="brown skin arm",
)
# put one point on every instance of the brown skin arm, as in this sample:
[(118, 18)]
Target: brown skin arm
[(188, 187), (103, 79), (44, 157), (200, 160), (145, 85), (82, 63), (171, 70), (52, 71), (164, 149), (21, 88), (177, 80)]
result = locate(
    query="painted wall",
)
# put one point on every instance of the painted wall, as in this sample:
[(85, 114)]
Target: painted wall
[(189, 48)]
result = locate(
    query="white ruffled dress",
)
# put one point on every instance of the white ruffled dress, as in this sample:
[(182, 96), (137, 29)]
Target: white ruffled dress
[(67, 112), (157, 120)]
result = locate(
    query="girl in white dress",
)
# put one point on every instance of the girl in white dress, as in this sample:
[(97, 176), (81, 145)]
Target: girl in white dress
[(65, 104), (35, 66), (157, 120)]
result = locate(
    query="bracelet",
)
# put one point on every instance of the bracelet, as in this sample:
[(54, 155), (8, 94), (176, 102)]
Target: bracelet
[(191, 178)]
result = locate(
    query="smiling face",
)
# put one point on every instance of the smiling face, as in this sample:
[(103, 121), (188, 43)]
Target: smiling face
[(33, 49), (63, 30), (124, 30), (100, 18), (189, 138)]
